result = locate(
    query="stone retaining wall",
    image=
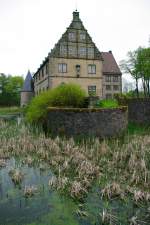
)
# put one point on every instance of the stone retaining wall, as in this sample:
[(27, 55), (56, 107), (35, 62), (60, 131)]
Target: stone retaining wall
[(139, 110), (87, 122)]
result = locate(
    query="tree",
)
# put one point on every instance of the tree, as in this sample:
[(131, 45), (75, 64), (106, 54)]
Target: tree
[(10, 87), (143, 68), (138, 66), (130, 66)]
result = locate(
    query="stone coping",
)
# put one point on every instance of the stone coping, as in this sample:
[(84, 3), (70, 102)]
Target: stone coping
[(65, 109)]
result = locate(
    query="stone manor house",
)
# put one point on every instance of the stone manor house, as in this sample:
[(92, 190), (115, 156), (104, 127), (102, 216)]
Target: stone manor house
[(76, 59)]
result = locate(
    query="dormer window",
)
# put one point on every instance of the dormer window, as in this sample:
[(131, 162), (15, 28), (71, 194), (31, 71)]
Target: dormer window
[(71, 36), (82, 37), (82, 51), (90, 52), (63, 49), (72, 50)]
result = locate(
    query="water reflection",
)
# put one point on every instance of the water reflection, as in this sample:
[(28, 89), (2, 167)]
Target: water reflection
[(14, 207)]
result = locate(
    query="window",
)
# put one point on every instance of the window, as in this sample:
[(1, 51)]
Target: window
[(108, 87), (62, 68), (108, 96), (46, 68), (116, 87), (42, 72), (90, 52), (82, 36), (115, 78), (63, 49), (92, 69), (72, 51), (71, 36), (82, 51), (39, 75), (78, 70), (92, 90), (108, 78)]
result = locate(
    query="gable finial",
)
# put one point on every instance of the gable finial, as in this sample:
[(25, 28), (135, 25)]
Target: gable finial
[(76, 6)]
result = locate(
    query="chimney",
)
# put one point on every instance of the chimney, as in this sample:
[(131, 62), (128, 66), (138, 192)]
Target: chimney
[(76, 15)]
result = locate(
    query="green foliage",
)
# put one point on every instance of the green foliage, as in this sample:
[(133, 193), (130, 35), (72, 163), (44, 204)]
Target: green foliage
[(66, 95), (9, 110), (138, 129), (107, 103), (138, 66), (10, 88)]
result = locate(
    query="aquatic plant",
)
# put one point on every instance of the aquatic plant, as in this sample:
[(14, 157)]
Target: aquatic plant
[(121, 167), (107, 217), (16, 176), (30, 191), (2, 163)]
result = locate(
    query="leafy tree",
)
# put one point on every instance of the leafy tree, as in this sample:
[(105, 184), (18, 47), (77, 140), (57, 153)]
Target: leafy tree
[(143, 68), (138, 66), (130, 66), (10, 87)]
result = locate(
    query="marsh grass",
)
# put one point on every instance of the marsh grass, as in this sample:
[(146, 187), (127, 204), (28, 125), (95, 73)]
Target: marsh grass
[(120, 167)]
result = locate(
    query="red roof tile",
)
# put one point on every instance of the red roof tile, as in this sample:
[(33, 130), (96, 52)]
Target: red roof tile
[(109, 63)]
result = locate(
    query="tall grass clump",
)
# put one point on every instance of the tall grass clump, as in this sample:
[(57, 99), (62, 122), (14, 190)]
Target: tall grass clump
[(107, 103), (65, 95)]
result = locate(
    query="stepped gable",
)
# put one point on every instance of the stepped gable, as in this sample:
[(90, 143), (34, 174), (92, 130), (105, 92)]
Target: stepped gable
[(28, 83), (77, 28), (109, 64)]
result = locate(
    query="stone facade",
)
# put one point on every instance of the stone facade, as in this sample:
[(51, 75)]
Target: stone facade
[(26, 98), (87, 122), (74, 59), (27, 92)]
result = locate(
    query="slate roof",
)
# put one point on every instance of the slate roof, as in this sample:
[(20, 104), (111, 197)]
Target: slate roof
[(28, 83), (109, 64)]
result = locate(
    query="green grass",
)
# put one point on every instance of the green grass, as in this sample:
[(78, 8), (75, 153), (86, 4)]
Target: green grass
[(107, 103), (9, 110), (138, 129)]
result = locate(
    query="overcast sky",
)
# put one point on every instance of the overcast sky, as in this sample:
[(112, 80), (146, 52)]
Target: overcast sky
[(29, 29)]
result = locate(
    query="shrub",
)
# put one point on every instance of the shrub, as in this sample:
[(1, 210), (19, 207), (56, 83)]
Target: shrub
[(107, 103), (66, 95)]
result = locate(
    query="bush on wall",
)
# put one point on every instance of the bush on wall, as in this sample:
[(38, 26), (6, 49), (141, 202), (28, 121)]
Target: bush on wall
[(107, 103), (65, 95)]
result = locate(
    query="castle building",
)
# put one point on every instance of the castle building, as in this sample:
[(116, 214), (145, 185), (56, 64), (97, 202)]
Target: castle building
[(76, 59)]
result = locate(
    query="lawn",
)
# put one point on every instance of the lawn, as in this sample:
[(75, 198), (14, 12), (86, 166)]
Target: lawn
[(9, 110)]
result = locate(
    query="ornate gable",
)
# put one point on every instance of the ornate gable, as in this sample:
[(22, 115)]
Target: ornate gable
[(76, 42)]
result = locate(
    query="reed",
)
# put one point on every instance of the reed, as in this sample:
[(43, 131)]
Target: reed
[(121, 168)]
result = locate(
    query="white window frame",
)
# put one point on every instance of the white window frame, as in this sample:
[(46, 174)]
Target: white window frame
[(62, 67), (91, 69)]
